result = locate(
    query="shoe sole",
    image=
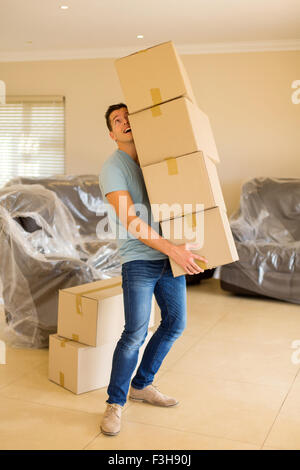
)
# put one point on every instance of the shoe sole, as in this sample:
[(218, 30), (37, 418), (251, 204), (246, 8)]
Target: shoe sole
[(109, 433), (146, 401)]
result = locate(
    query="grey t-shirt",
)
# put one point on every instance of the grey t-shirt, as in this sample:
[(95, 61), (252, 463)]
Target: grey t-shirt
[(121, 173)]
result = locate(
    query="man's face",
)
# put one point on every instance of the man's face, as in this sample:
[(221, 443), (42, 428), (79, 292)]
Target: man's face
[(121, 131)]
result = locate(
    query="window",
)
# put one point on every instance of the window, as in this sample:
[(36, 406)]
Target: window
[(31, 137)]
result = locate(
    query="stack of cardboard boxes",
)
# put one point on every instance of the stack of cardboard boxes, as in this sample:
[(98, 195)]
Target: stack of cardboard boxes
[(90, 322), (177, 153)]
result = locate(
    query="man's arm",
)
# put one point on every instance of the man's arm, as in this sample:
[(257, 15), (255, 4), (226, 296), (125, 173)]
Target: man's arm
[(124, 207)]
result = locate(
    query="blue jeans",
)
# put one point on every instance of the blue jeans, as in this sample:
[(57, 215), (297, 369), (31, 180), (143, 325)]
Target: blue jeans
[(141, 279)]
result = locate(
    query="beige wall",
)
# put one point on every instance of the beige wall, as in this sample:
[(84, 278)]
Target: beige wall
[(247, 97)]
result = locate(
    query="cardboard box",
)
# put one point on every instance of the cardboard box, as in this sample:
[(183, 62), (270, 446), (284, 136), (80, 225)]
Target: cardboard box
[(188, 180), (80, 368), (178, 129), (153, 76), (218, 243), (93, 313)]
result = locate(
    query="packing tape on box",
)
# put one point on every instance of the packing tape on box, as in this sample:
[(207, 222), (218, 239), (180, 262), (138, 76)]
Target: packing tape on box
[(89, 291), (156, 96), (62, 379), (156, 111), (192, 222), (65, 340), (156, 100), (172, 166), (200, 263)]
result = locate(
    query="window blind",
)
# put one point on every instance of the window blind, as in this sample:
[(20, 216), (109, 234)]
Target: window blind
[(31, 137)]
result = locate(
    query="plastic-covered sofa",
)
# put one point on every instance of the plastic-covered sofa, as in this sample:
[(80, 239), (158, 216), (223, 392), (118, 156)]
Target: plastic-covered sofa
[(49, 241), (266, 229)]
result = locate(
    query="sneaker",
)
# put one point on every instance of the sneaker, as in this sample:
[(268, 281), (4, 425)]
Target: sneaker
[(111, 421), (152, 395)]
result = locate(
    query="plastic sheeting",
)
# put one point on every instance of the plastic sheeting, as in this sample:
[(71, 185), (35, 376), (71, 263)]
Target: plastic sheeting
[(266, 229), (42, 251), (80, 194)]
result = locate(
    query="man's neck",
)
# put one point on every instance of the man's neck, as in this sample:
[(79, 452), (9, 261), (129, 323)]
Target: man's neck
[(130, 149)]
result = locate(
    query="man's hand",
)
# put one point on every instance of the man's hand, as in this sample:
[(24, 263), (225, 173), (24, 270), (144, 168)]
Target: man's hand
[(182, 255)]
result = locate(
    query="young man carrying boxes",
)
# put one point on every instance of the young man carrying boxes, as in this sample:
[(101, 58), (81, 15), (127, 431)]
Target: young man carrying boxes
[(167, 125), (145, 270)]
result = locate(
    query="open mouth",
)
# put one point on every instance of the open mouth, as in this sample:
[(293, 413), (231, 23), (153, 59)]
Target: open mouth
[(127, 130)]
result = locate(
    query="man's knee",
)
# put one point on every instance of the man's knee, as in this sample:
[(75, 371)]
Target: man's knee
[(174, 329), (133, 340), (178, 326), (180, 329)]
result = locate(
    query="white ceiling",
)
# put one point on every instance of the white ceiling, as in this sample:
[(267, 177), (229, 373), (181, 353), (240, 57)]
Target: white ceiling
[(108, 28)]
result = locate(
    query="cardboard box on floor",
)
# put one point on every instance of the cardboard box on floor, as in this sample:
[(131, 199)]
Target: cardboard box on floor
[(80, 368), (153, 76), (93, 313), (218, 243), (188, 180), (178, 128)]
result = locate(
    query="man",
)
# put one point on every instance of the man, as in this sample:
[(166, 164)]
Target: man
[(145, 271)]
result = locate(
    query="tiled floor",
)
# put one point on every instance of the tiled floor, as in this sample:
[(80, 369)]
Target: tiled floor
[(232, 371)]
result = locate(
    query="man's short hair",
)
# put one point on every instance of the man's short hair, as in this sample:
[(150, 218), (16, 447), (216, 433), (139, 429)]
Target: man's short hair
[(112, 107)]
